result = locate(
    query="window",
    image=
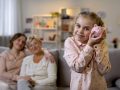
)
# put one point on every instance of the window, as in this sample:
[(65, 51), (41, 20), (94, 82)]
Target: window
[(9, 17)]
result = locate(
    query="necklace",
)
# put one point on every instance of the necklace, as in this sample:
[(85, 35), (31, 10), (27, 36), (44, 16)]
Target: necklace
[(13, 55)]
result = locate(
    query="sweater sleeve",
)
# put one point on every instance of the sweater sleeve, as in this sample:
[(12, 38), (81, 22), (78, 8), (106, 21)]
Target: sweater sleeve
[(77, 61)]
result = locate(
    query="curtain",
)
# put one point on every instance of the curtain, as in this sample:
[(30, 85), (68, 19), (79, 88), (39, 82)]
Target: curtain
[(10, 19)]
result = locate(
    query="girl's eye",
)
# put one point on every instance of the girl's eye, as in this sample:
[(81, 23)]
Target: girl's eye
[(86, 28)]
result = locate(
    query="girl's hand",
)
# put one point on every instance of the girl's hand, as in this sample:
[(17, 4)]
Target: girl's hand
[(100, 36)]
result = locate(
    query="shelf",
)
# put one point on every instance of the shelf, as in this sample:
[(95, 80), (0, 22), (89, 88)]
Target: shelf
[(66, 31), (45, 29), (49, 41)]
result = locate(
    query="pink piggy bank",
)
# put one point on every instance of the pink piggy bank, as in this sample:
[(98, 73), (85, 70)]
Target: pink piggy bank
[(96, 30)]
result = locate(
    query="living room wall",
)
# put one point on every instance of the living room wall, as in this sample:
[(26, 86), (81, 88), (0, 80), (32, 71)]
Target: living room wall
[(108, 7)]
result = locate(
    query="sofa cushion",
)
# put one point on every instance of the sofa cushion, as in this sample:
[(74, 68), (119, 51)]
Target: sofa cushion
[(63, 88), (114, 74), (113, 88), (109, 84), (63, 71), (54, 52), (50, 88), (42, 87), (2, 48), (117, 83)]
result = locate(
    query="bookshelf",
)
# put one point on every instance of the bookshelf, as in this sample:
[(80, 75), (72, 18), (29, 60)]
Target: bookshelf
[(47, 28), (66, 29)]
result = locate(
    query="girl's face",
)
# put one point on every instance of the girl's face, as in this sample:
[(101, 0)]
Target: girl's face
[(35, 46), (82, 29), (19, 43)]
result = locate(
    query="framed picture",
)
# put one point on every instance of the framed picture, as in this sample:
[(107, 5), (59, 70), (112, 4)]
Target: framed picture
[(29, 20)]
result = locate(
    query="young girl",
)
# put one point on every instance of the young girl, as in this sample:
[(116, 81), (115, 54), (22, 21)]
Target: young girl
[(86, 53)]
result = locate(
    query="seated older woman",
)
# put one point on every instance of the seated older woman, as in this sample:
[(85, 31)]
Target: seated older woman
[(39, 67)]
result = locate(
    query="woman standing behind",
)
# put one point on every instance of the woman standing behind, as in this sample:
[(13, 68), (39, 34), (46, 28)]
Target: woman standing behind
[(10, 62), (41, 70), (86, 53)]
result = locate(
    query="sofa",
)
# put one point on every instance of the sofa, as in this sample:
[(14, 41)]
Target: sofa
[(63, 75)]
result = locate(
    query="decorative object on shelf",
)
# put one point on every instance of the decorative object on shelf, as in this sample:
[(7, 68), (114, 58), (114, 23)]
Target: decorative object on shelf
[(52, 38), (115, 42), (45, 23), (66, 13), (27, 30), (67, 22), (55, 14), (29, 20), (36, 24), (47, 28), (67, 25)]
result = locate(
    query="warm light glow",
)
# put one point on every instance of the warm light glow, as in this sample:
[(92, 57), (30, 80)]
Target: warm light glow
[(69, 12), (42, 15)]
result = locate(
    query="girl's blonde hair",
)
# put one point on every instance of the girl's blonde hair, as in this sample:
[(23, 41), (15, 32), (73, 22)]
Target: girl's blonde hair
[(93, 16)]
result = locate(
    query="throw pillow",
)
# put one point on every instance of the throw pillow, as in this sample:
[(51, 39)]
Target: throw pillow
[(117, 83)]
